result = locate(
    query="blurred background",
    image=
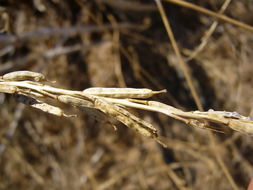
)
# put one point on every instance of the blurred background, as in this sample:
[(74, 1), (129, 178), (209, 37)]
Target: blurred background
[(123, 43)]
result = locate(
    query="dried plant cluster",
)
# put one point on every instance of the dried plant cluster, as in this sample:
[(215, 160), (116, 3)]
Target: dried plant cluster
[(29, 88), (199, 51)]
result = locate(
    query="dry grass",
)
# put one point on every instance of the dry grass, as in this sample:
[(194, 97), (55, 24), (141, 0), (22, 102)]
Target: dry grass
[(119, 44)]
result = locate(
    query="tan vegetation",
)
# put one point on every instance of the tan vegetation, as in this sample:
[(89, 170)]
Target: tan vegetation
[(103, 57)]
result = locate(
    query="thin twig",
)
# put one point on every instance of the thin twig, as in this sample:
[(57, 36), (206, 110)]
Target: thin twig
[(66, 31), (208, 34), (12, 127), (211, 13)]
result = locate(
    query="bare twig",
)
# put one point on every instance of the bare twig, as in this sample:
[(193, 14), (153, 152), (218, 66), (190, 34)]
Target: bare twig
[(65, 31), (211, 13), (12, 128), (208, 34)]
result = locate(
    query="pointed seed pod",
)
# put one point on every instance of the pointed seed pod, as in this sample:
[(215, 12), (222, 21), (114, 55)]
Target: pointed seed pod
[(122, 92), (75, 101), (24, 75)]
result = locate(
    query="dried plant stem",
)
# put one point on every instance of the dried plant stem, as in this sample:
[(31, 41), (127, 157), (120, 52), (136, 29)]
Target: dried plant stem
[(34, 94), (208, 34), (211, 13)]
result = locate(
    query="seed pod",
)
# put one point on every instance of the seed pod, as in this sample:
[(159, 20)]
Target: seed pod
[(126, 118), (75, 101), (24, 75), (122, 92), (163, 106), (41, 105)]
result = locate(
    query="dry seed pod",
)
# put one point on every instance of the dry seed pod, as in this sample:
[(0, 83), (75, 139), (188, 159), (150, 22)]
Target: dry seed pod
[(50, 109), (136, 119), (41, 105), (75, 101), (122, 92), (163, 106), (24, 75), (127, 118)]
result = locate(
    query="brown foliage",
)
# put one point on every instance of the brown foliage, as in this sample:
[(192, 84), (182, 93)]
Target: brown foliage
[(110, 43)]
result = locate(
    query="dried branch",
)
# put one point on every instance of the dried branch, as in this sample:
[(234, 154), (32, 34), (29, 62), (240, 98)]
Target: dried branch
[(30, 89)]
